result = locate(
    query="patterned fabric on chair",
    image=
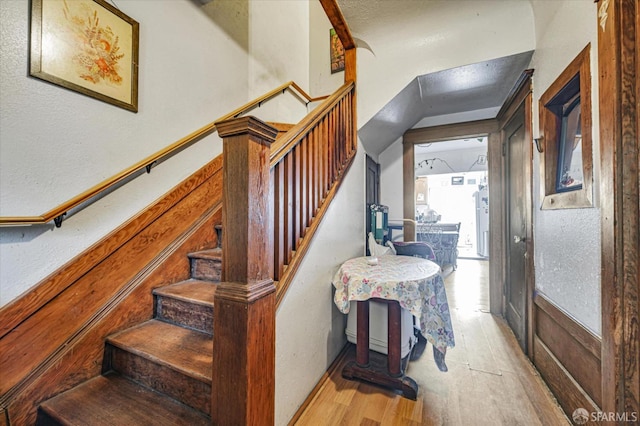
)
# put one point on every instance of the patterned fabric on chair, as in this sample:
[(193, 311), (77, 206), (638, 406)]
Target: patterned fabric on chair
[(415, 248)]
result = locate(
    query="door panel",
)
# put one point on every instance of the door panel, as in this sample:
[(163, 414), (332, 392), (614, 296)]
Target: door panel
[(516, 297)]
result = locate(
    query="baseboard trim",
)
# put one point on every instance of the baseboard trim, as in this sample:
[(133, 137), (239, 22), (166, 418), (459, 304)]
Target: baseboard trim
[(567, 356), (321, 383)]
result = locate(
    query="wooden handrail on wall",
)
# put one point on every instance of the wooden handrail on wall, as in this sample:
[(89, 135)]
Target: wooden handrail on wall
[(307, 166), (57, 214)]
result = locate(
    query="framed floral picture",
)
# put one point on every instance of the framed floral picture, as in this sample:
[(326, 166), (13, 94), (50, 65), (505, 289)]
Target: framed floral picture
[(337, 52), (87, 46)]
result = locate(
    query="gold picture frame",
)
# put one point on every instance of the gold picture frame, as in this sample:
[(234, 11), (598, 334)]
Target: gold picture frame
[(336, 52), (87, 46)]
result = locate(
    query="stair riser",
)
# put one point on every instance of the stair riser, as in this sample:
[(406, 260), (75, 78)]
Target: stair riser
[(206, 269), (47, 419), (188, 390), (185, 314)]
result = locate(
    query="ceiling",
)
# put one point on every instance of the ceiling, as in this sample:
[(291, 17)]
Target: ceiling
[(468, 88), (452, 145), (474, 87)]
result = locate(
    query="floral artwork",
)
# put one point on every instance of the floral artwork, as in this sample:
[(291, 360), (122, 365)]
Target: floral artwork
[(337, 52), (88, 46), (97, 46)]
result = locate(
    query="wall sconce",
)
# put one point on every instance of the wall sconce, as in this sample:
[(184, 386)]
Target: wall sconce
[(538, 142)]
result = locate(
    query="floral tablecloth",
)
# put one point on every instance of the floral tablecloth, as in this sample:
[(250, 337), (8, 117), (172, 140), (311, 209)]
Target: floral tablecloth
[(414, 282)]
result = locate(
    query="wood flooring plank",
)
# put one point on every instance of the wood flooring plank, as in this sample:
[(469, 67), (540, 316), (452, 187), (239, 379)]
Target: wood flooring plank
[(478, 351), (489, 382)]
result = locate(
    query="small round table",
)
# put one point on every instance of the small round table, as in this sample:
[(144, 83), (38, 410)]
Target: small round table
[(405, 282)]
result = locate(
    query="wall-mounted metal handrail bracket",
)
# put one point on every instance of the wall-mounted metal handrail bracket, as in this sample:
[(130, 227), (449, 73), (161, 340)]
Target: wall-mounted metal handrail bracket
[(107, 186), (58, 219)]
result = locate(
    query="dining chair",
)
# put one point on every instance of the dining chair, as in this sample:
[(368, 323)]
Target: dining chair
[(414, 248)]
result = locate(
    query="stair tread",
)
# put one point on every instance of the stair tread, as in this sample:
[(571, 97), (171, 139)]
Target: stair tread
[(194, 291), (281, 127), (114, 400), (187, 351), (212, 254)]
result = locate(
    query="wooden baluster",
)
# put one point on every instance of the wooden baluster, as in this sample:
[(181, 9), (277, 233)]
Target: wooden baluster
[(310, 178), (334, 133), (244, 317), (297, 205), (342, 143), (304, 176), (316, 173), (278, 221), (288, 207), (272, 228), (328, 142)]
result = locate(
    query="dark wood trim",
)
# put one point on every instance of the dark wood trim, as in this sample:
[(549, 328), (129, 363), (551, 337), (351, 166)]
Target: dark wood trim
[(520, 97), (573, 347), (446, 132), (549, 125), (408, 191), (321, 384), (336, 18), (497, 226), (516, 96), (244, 316), (22, 308), (619, 89), (568, 392), (61, 344), (584, 337)]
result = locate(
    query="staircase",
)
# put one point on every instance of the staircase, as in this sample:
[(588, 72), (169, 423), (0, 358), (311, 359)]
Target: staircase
[(165, 371), (158, 372)]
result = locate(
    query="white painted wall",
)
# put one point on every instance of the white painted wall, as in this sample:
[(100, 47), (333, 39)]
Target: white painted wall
[(417, 38), (567, 242), (390, 161), (567, 270), (55, 143), (321, 82), (309, 328)]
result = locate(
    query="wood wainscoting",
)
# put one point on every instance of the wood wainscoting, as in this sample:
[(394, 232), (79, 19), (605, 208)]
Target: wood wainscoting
[(53, 337), (568, 357)]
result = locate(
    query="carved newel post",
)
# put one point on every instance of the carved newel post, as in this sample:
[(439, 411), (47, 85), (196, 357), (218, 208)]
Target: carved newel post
[(244, 307)]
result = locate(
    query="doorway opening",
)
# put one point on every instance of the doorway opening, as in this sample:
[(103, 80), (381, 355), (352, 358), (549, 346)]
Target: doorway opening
[(452, 199)]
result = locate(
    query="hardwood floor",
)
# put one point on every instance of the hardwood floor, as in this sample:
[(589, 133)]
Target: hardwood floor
[(489, 382)]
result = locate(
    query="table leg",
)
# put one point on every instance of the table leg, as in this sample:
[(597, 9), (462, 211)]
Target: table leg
[(362, 333), (394, 348), (376, 368)]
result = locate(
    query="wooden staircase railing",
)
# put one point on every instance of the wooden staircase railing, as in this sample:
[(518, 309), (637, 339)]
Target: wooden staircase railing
[(291, 181), (58, 213), (307, 165)]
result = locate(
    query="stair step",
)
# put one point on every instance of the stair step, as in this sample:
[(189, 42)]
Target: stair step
[(167, 358), (281, 127), (187, 303), (206, 264), (114, 400)]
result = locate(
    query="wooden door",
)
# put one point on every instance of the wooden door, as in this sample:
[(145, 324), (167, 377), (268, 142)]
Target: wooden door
[(516, 221)]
